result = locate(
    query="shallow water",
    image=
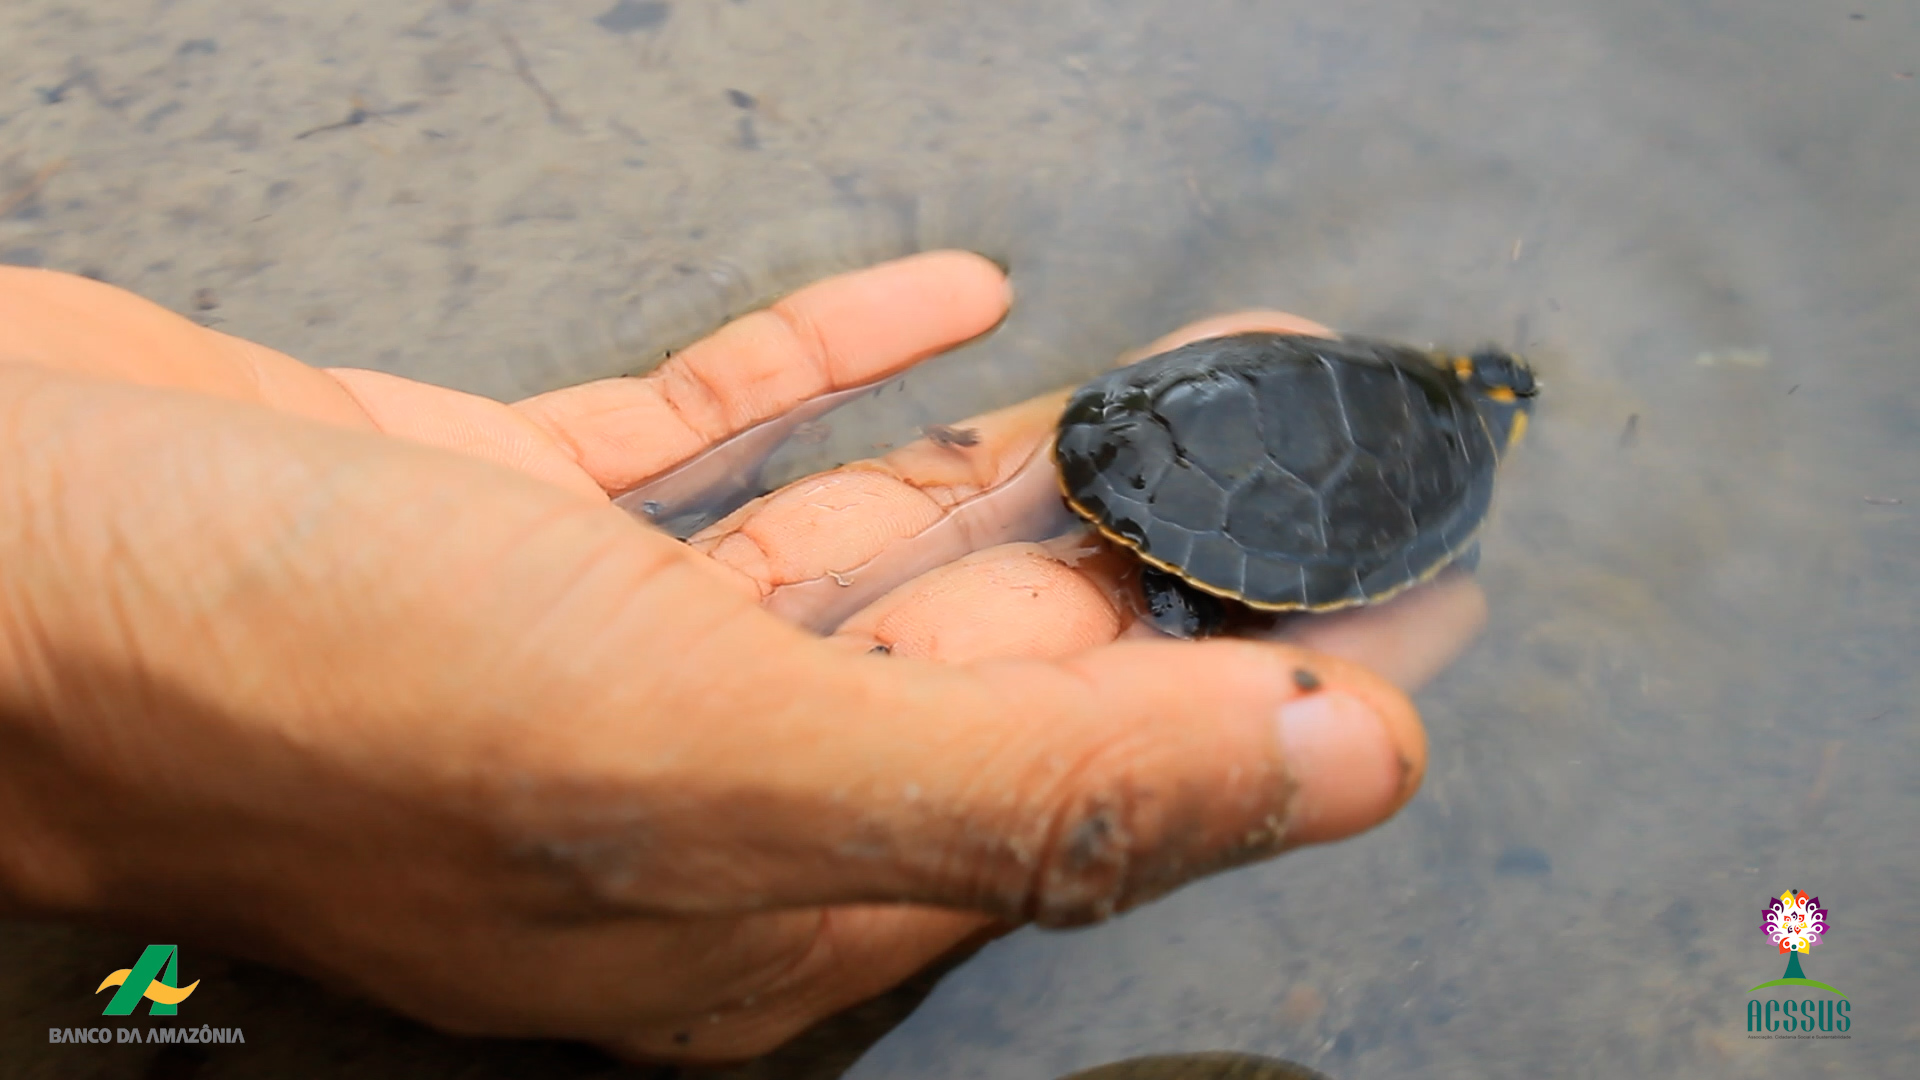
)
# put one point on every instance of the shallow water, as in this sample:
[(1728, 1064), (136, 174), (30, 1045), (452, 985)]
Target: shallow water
[(1700, 218)]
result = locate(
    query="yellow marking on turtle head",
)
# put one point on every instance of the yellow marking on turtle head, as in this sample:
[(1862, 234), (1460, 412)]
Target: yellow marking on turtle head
[(1502, 394), (1463, 368), (1518, 429)]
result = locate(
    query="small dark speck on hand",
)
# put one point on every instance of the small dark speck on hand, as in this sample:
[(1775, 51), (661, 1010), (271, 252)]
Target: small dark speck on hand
[(1306, 680), (741, 99), (205, 300), (629, 15), (1523, 862), (943, 435), (880, 650)]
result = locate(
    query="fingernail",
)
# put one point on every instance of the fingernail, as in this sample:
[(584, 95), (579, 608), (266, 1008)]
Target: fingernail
[(1346, 770)]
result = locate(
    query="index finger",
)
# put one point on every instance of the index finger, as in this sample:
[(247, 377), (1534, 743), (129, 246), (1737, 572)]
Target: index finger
[(836, 334)]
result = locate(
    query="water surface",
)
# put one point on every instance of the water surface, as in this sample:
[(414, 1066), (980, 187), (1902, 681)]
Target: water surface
[(1700, 218)]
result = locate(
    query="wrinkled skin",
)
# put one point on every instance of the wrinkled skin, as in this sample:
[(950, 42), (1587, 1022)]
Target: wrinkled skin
[(366, 677)]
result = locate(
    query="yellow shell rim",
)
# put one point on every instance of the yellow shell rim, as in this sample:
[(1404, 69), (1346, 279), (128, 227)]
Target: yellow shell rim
[(1381, 597)]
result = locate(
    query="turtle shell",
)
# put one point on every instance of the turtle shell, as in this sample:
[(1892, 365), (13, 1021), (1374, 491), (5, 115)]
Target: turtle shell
[(1286, 472)]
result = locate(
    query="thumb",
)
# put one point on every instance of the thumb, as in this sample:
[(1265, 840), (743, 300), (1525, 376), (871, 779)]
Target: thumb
[(1078, 789), (1063, 792)]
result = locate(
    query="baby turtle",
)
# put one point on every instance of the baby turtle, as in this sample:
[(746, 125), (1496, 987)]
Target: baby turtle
[(1290, 473)]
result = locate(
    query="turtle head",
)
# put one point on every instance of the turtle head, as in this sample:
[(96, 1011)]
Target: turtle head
[(1502, 386)]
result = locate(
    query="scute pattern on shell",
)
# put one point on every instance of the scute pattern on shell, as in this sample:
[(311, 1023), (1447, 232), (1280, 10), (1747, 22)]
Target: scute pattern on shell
[(1283, 471)]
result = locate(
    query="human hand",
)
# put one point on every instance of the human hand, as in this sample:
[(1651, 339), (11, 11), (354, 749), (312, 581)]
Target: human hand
[(939, 523), (448, 729)]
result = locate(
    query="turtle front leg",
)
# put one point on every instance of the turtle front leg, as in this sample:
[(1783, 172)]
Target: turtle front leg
[(1179, 610)]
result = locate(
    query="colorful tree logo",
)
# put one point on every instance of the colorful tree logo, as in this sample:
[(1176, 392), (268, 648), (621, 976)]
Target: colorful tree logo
[(1795, 922)]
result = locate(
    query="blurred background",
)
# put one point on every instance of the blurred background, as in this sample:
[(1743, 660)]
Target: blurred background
[(1701, 219)]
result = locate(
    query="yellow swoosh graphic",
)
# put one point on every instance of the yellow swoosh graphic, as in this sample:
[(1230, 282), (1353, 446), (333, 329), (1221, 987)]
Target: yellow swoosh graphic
[(114, 979), (165, 995)]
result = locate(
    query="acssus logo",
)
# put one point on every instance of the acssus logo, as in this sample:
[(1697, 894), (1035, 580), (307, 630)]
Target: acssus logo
[(1795, 923)]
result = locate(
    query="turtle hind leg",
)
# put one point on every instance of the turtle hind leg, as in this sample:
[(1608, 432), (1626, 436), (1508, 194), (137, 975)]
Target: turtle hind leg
[(1179, 610)]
